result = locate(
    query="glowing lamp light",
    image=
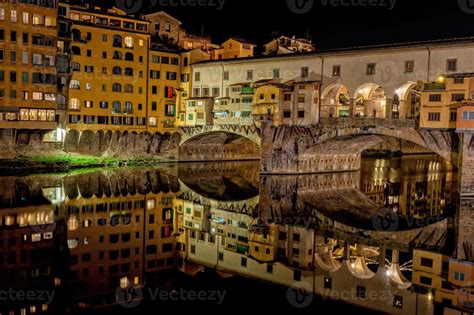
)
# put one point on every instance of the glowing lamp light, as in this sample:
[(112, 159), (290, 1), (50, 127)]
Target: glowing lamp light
[(441, 79), (430, 296)]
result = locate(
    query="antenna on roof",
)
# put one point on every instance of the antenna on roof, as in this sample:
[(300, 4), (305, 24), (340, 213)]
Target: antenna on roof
[(202, 30)]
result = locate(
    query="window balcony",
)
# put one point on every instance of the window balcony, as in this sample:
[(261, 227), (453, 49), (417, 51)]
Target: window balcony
[(434, 86)]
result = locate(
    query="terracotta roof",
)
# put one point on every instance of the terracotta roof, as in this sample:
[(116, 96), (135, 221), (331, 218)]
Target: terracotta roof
[(355, 49)]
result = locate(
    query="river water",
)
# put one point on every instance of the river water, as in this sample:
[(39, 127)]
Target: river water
[(221, 235)]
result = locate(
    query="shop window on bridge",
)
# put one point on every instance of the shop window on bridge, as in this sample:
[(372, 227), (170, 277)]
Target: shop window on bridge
[(468, 115), (457, 97), (435, 97)]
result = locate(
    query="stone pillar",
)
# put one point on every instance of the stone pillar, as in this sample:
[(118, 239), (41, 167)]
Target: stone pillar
[(352, 109), (464, 227), (395, 256), (402, 109), (347, 251), (265, 147), (381, 257), (388, 109), (466, 164)]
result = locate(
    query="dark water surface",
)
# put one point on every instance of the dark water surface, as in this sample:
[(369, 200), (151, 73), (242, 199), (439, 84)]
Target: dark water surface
[(203, 236)]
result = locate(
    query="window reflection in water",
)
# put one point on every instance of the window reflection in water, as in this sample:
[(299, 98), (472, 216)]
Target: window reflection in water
[(90, 234)]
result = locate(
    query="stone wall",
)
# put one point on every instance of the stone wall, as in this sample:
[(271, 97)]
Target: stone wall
[(125, 145), (339, 143)]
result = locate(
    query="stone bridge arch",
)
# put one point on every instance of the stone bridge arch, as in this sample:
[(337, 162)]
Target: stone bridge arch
[(251, 133), (337, 144), (220, 143)]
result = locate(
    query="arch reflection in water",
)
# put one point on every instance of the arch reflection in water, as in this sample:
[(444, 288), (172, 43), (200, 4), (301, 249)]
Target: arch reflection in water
[(124, 227)]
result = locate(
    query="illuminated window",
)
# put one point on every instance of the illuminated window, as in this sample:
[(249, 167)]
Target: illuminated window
[(49, 21), (13, 16), (37, 96), (33, 114), (42, 114), (75, 84), (37, 19), (36, 237), (129, 42), (2, 14), (153, 121), (51, 115), (24, 115), (26, 17), (74, 104)]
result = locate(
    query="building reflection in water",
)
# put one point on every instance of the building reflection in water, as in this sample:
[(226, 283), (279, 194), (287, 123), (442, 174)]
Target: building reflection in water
[(83, 236)]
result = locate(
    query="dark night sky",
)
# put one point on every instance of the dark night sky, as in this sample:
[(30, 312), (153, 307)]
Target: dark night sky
[(329, 26)]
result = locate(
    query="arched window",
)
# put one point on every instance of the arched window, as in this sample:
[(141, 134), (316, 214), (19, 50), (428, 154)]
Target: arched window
[(128, 107), (117, 42), (116, 87), (117, 70), (129, 42), (74, 104), (117, 55), (75, 66), (129, 72), (128, 88), (116, 107), (75, 85), (76, 50), (186, 61), (129, 56)]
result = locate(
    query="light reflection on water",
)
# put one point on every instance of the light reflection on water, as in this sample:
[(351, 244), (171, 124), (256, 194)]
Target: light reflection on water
[(84, 236)]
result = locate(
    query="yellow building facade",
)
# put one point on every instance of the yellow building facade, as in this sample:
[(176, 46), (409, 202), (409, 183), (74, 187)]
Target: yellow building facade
[(440, 100), (28, 37), (233, 48), (163, 90), (108, 84)]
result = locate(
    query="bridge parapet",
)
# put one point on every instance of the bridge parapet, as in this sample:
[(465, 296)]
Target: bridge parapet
[(362, 122)]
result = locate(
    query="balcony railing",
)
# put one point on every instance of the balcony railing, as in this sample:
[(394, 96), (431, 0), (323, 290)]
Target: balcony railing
[(434, 86)]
